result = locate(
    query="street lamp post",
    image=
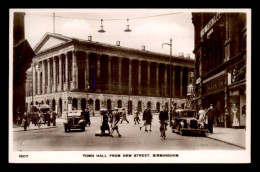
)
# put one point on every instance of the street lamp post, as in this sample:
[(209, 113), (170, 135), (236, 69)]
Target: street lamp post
[(170, 44)]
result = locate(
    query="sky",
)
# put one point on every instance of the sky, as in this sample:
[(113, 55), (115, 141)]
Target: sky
[(150, 27)]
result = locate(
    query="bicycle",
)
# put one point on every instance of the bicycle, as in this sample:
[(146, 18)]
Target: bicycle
[(163, 129)]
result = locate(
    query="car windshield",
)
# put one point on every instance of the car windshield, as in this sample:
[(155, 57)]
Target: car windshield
[(74, 113), (187, 114)]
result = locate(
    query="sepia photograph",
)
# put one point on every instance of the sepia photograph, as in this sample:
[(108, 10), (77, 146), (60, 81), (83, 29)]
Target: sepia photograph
[(129, 85)]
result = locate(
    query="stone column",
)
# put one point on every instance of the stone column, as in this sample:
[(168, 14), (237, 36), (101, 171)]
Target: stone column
[(109, 73), (49, 76), (120, 74), (181, 78), (60, 73), (165, 80), (66, 72), (157, 79), (130, 77), (74, 72), (148, 78), (86, 70), (43, 78), (34, 79), (139, 77), (39, 81), (54, 86), (173, 81), (98, 73)]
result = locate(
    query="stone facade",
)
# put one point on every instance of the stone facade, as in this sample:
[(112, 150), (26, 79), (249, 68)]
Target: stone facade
[(83, 73)]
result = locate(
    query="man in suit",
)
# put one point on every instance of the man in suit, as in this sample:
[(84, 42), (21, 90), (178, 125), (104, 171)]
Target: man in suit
[(211, 116)]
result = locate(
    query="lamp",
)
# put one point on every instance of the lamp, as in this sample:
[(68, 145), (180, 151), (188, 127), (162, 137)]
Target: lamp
[(127, 27), (101, 27)]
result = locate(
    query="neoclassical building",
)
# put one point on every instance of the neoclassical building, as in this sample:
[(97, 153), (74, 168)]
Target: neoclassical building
[(69, 72)]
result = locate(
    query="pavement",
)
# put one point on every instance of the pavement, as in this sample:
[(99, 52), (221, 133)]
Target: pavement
[(232, 136)]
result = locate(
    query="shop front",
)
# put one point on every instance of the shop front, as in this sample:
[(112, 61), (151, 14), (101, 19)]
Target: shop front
[(237, 95), (213, 93)]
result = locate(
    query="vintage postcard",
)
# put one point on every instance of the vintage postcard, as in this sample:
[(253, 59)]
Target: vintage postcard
[(130, 86)]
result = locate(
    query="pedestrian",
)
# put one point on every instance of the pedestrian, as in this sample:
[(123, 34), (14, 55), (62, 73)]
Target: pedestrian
[(211, 116), (115, 120), (202, 115), (87, 117), (149, 118), (104, 123), (124, 116), (136, 116), (163, 117), (144, 119)]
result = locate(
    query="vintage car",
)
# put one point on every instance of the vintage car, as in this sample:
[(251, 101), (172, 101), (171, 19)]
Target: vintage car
[(74, 120), (185, 121)]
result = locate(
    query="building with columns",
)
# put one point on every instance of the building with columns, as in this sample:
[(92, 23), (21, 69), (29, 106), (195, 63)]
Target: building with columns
[(221, 60), (73, 73)]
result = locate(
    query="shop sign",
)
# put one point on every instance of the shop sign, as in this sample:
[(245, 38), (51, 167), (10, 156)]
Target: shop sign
[(210, 24), (214, 85)]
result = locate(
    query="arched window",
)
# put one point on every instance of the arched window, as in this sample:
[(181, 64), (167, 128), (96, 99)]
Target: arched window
[(149, 104), (53, 104), (140, 106), (47, 102), (97, 104), (109, 106), (74, 103), (119, 103), (36, 103), (158, 106), (60, 105), (90, 101), (130, 107), (182, 105), (83, 103)]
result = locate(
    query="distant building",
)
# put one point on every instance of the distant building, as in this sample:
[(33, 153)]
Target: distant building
[(220, 71), (72, 73)]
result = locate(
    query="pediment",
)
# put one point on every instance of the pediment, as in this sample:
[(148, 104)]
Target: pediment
[(49, 41)]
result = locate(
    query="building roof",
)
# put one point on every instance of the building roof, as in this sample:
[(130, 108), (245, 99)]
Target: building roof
[(51, 40)]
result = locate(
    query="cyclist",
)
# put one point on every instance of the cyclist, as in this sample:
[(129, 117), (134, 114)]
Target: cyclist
[(163, 117)]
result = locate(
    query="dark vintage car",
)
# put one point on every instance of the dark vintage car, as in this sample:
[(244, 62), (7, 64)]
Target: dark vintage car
[(185, 121), (74, 120)]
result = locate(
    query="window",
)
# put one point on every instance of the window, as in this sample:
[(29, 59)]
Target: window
[(97, 105)]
